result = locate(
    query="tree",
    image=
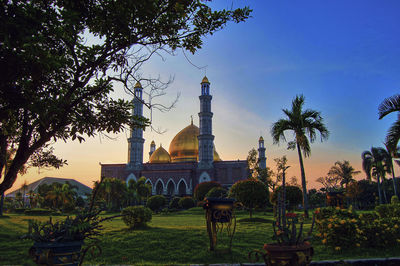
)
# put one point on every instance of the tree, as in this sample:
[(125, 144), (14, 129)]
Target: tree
[(344, 172), (392, 153), (373, 163), (201, 189), (255, 172), (251, 193), (293, 196), (24, 187), (63, 58), (390, 105), (330, 183), (304, 125)]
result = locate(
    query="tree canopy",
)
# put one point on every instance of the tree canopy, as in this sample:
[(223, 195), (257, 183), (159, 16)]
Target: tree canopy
[(60, 60)]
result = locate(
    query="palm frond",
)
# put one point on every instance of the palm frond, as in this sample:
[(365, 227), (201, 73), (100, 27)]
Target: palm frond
[(393, 135), (278, 130), (389, 105)]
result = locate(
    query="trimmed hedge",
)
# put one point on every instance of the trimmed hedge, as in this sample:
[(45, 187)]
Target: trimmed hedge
[(174, 203), (38, 211), (156, 202), (136, 216), (202, 189), (217, 192), (186, 203)]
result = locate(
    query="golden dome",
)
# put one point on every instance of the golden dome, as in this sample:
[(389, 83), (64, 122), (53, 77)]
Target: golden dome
[(153, 143), (205, 80), (160, 156), (138, 85), (184, 146), (261, 139)]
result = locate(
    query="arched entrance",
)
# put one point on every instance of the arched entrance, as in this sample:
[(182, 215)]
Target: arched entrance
[(159, 188), (182, 188), (171, 188)]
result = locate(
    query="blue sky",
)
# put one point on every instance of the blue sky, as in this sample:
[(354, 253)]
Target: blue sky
[(343, 56)]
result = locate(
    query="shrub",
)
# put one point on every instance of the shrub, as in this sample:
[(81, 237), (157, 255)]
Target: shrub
[(136, 216), (156, 202), (38, 211), (174, 203), (294, 196), (388, 210), (202, 189), (20, 210), (394, 200), (186, 202), (251, 193), (217, 192)]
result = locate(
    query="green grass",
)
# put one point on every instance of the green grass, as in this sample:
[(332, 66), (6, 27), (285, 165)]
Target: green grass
[(174, 238)]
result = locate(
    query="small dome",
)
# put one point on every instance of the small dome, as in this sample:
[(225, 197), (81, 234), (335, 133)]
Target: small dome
[(184, 147), (160, 156), (138, 85), (153, 143), (205, 80), (261, 139)]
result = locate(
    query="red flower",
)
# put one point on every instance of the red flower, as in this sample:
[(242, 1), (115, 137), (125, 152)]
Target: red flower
[(291, 215)]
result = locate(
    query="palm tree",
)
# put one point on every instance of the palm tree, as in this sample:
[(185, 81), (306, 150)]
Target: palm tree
[(374, 164), (392, 153), (303, 124), (390, 105), (344, 172)]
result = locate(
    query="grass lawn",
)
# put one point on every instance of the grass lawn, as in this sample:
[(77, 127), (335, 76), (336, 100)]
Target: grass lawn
[(176, 238)]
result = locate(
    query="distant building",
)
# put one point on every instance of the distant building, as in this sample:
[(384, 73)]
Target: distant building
[(81, 190), (191, 159)]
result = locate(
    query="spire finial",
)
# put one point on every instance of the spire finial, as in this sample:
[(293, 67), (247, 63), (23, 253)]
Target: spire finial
[(191, 119)]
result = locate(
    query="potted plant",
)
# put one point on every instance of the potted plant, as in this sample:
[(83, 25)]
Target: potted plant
[(60, 242), (291, 247)]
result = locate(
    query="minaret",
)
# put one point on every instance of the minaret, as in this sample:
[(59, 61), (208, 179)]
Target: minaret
[(152, 148), (206, 139), (136, 140), (262, 160)]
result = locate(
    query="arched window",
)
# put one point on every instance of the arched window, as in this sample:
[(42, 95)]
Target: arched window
[(182, 188), (170, 188), (159, 188)]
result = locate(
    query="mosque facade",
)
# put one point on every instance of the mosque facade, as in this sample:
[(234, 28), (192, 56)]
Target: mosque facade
[(191, 159)]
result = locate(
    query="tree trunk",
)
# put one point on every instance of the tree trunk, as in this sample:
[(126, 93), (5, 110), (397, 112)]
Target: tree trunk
[(1, 204), (379, 189), (394, 181), (303, 183)]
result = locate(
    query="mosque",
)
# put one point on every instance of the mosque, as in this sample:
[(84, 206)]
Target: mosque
[(191, 159)]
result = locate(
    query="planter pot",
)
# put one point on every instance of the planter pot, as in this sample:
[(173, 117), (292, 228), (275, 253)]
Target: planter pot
[(220, 209), (288, 255), (52, 253)]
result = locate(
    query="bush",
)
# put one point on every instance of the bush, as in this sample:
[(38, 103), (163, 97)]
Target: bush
[(156, 202), (136, 216), (202, 189), (186, 203), (388, 210), (251, 193), (294, 196), (394, 200), (174, 203), (38, 211), (20, 210), (217, 192), (342, 228)]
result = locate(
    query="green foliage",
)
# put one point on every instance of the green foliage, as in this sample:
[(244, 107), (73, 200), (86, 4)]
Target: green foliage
[(294, 196), (113, 192), (202, 189), (217, 192), (388, 210), (186, 203), (38, 211), (341, 228), (394, 200), (251, 193), (174, 203), (20, 210), (156, 202), (136, 216)]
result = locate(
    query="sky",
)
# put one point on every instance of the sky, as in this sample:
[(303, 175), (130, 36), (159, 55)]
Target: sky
[(343, 56)]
